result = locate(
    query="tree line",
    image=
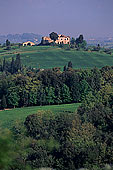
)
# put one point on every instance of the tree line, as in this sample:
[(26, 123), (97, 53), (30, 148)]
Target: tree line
[(21, 86)]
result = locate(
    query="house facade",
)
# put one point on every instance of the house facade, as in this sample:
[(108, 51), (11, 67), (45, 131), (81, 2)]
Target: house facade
[(62, 39)]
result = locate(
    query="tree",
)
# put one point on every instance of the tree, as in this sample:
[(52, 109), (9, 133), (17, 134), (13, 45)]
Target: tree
[(13, 97), (73, 41), (98, 46), (84, 89), (17, 63), (58, 99), (3, 102), (65, 68), (6, 148), (4, 65), (53, 36), (65, 94), (32, 97), (81, 43), (88, 150), (12, 65), (24, 95), (8, 44), (70, 64), (41, 96), (50, 95), (80, 39)]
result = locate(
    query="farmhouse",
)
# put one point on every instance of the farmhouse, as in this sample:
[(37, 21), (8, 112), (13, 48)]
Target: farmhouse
[(28, 43), (62, 39)]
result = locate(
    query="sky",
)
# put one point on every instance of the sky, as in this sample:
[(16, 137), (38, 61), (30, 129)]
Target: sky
[(92, 18)]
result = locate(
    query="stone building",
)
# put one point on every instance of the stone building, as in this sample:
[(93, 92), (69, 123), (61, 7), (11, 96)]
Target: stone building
[(62, 39), (28, 43)]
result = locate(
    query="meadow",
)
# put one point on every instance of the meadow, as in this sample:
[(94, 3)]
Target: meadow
[(49, 57), (9, 117)]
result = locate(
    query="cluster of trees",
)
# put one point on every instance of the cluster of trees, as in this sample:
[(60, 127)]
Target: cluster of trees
[(74, 140), (11, 67), (78, 42), (27, 87), (65, 140)]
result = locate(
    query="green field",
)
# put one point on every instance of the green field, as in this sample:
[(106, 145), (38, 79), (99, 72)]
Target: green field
[(49, 57), (8, 117)]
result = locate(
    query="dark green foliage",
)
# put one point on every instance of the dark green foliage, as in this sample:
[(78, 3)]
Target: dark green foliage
[(70, 64), (39, 157), (71, 79), (65, 94), (12, 66), (80, 39), (4, 65), (13, 97), (51, 86), (100, 116), (6, 149), (17, 63), (50, 95), (41, 96), (80, 42), (3, 102), (65, 68), (24, 98), (8, 44), (65, 140), (58, 99), (53, 36), (73, 41), (38, 125)]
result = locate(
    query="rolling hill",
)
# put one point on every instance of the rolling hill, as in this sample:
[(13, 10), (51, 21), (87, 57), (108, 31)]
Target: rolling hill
[(19, 114), (49, 57)]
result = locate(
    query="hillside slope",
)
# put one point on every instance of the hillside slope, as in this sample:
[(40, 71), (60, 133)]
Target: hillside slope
[(19, 114), (48, 57)]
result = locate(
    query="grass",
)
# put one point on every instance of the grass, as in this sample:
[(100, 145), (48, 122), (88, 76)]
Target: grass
[(8, 117), (49, 57)]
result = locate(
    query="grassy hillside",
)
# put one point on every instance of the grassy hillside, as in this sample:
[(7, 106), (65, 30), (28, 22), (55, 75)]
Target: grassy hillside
[(48, 57), (8, 117)]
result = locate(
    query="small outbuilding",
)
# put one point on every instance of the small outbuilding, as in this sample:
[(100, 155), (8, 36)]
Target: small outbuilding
[(28, 43)]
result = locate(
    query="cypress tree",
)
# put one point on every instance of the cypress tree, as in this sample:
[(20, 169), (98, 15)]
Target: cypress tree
[(3, 102), (8, 44), (17, 63), (4, 65), (12, 65), (65, 68), (70, 64)]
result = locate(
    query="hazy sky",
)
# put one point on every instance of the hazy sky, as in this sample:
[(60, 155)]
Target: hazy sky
[(92, 18)]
